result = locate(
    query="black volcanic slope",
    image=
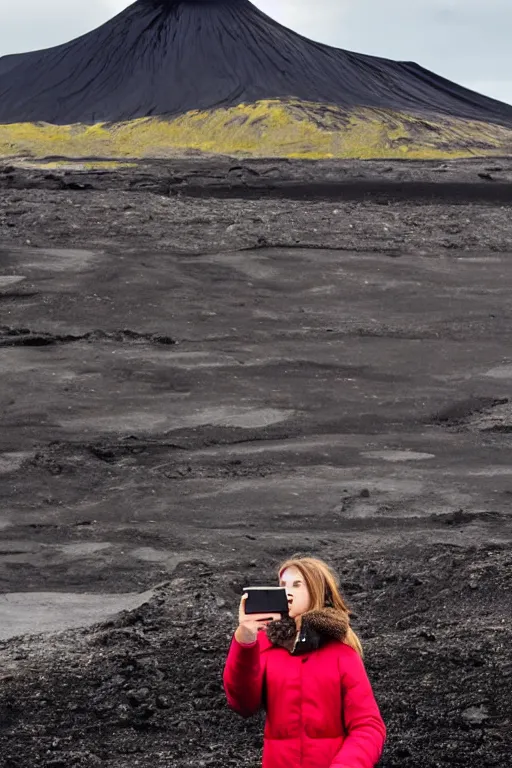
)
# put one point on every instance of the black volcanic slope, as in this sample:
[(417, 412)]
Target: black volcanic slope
[(165, 57)]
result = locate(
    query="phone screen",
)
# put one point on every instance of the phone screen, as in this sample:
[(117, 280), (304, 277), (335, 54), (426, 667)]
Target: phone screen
[(266, 600)]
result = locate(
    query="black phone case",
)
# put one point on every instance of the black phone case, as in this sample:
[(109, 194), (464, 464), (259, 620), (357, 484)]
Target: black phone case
[(266, 600)]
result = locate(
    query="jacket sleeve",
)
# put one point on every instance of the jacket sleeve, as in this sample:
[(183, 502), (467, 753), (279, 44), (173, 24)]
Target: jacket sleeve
[(364, 726), (243, 678)]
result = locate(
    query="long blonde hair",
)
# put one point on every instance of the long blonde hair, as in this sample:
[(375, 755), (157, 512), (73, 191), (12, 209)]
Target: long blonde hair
[(323, 587)]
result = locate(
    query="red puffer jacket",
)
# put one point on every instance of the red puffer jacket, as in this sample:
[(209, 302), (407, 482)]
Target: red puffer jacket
[(320, 707)]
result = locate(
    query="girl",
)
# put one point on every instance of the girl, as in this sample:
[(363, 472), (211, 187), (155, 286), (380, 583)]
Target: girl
[(306, 670)]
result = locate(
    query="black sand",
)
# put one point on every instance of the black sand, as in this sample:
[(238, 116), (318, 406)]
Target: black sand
[(202, 372)]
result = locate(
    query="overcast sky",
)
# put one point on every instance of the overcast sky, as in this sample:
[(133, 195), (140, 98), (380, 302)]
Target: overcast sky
[(464, 40)]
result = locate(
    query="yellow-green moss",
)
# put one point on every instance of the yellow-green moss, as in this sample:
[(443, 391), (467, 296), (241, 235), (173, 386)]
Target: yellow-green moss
[(267, 128)]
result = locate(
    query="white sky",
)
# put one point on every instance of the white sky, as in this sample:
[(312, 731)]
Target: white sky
[(464, 40)]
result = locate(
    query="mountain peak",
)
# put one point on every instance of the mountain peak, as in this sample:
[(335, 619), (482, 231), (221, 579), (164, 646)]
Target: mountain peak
[(163, 58)]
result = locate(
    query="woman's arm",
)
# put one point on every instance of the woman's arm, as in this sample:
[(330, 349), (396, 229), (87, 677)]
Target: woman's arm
[(243, 673), (364, 726), (243, 678)]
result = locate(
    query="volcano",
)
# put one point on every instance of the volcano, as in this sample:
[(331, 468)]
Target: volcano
[(162, 58)]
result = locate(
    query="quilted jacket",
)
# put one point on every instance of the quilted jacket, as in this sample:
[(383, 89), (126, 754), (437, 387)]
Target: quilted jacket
[(319, 703)]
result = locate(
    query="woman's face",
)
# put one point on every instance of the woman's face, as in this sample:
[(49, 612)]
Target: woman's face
[(298, 594)]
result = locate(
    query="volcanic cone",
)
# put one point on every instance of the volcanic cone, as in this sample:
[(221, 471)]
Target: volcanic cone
[(165, 58)]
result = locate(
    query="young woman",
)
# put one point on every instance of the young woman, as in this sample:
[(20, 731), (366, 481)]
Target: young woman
[(306, 671)]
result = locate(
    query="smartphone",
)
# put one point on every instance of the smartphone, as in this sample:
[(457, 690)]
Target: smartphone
[(266, 600)]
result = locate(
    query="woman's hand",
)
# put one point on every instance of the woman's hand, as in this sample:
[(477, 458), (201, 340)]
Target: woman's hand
[(250, 624)]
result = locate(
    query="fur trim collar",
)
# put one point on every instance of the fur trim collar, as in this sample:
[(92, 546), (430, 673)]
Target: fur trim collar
[(317, 628)]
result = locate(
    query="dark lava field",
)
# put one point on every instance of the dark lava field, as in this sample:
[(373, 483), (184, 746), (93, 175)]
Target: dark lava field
[(207, 365)]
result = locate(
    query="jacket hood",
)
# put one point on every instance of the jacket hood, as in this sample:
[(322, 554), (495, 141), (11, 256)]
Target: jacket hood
[(317, 628)]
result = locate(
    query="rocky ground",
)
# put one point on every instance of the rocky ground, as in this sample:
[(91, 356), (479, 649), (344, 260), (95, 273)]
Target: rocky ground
[(209, 365)]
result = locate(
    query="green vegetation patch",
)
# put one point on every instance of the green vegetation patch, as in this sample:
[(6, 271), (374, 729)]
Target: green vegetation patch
[(273, 128)]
